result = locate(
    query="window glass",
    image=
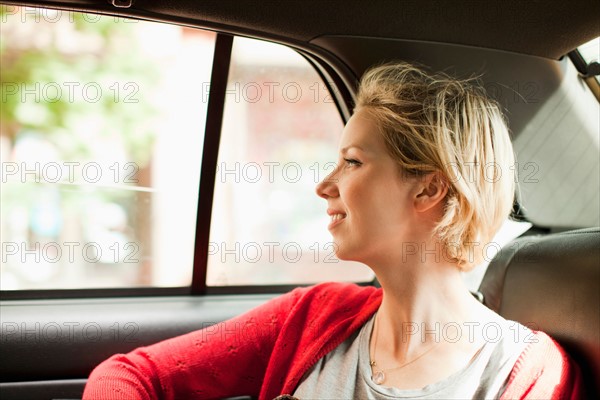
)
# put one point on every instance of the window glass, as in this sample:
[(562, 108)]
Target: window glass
[(280, 136), (101, 134)]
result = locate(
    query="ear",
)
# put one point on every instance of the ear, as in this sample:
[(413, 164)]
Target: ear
[(432, 190)]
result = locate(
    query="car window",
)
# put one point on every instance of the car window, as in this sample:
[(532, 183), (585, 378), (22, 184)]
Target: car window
[(102, 134), (280, 133), (102, 127)]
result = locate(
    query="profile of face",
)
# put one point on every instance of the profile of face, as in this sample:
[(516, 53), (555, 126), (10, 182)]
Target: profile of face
[(374, 207)]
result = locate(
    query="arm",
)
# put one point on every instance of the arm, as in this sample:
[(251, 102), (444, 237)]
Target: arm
[(226, 359)]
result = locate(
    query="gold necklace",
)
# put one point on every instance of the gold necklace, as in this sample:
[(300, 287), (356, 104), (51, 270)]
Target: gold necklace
[(378, 375)]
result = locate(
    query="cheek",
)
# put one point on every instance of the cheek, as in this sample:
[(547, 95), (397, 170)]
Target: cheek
[(389, 209), (375, 201), (353, 195), (371, 210)]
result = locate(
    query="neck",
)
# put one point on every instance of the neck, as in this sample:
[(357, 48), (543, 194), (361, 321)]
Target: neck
[(420, 300)]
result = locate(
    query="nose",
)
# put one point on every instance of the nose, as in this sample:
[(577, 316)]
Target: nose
[(328, 187)]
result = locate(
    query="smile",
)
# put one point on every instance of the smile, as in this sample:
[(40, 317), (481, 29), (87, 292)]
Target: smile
[(336, 219)]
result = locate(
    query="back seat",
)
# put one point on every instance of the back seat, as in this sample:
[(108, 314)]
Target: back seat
[(552, 283)]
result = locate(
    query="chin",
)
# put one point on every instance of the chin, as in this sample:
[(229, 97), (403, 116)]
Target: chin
[(339, 253), (345, 254)]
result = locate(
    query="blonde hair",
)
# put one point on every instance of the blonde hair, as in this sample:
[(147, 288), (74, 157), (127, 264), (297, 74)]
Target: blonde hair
[(433, 122)]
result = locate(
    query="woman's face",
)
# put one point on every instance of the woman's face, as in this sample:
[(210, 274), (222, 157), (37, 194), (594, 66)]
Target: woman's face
[(370, 202)]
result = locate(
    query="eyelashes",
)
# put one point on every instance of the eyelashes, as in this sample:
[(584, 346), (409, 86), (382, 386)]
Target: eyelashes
[(351, 162)]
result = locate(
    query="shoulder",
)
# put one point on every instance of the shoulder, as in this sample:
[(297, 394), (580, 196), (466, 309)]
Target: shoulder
[(332, 310), (333, 291), (336, 296), (320, 318), (544, 370)]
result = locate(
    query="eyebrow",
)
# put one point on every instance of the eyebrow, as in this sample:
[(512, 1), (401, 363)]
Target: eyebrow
[(345, 149)]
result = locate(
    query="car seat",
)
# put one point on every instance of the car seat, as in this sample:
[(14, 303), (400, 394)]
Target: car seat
[(552, 283)]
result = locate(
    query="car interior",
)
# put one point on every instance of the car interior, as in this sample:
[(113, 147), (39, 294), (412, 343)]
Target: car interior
[(545, 273)]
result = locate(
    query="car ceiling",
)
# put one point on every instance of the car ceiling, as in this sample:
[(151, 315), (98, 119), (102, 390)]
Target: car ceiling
[(547, 29)]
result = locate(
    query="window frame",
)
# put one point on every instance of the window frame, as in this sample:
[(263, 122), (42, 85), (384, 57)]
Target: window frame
[(340, 83), (581, 65)]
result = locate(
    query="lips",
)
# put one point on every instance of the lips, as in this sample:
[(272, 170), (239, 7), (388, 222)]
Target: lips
[(337, 217)]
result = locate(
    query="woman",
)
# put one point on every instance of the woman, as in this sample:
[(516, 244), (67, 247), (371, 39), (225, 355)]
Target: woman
[(412, 197)]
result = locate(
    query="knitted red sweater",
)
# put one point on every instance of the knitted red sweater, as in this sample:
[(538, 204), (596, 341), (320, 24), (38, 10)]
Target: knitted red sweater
[(266, 351)]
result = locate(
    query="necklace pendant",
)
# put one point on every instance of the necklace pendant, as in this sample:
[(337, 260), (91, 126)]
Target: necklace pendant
[(378, 377)]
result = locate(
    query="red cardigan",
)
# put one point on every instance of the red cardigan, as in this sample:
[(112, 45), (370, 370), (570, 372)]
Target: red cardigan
[(266, 351)]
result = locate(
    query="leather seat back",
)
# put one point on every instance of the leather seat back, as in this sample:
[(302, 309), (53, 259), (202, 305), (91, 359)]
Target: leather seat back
[(552, 283)]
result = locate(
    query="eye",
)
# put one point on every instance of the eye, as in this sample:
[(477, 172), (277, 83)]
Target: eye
[(352, 162)]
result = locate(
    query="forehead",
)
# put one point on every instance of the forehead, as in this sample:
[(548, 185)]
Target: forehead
[(362, 131)]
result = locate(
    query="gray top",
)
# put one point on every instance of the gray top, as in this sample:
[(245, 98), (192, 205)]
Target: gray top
[(345, 372)]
